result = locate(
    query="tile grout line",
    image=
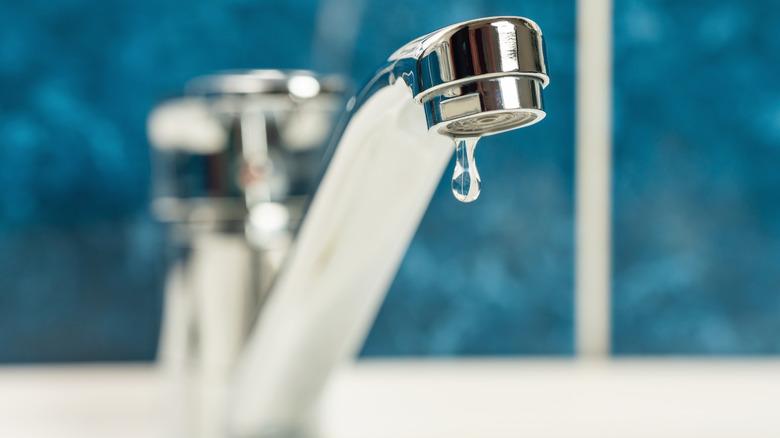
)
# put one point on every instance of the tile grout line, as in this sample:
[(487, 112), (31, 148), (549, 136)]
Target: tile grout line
[(593, 178)]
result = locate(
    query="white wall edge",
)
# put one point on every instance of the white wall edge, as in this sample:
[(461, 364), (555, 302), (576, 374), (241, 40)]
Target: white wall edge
[(593, 177)]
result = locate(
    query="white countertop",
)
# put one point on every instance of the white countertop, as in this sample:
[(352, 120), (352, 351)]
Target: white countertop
[(533, 398)]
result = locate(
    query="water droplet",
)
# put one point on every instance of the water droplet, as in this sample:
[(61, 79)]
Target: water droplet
[(465, 177)]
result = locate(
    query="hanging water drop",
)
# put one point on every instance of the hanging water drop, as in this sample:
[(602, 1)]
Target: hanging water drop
[(465, 177)]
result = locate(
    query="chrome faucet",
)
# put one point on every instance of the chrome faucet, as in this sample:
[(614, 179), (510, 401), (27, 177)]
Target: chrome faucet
[(235, 157), (278, 307), (450, 87)]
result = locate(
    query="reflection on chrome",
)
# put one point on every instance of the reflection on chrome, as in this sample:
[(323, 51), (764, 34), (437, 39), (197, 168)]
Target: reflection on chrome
[(275, 307), (468, 80), (235, 157)]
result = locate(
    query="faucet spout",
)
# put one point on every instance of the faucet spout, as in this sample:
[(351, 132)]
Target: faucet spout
[(471, 79)]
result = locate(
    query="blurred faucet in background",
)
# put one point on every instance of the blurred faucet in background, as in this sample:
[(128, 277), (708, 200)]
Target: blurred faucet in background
[(437, 94), (235, 157)]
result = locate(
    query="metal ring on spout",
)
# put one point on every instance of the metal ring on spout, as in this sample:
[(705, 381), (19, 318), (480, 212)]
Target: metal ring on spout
[(486, 106)]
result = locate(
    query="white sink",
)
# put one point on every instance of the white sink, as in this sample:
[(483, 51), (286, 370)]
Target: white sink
[(533, 398)]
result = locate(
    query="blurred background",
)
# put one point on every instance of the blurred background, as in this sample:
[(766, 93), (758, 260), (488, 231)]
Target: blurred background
[(696, 221)]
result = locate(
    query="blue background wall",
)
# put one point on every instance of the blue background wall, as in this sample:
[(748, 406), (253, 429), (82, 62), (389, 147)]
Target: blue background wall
[(81, 260), (696, 221), (697, 180)]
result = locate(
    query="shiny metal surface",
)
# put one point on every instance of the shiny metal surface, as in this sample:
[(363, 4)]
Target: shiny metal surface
[(494, 67), (471, 79), (238, 138), (486, 46), (301, 84), (230, 148), (487, 106), (493, 64), (234, 158)]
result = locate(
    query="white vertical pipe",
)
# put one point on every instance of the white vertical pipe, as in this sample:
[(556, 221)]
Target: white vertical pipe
[(593, 182), (221, 283)]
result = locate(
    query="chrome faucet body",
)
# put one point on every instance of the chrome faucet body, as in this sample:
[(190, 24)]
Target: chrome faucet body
[(471, 79), (235, 157)]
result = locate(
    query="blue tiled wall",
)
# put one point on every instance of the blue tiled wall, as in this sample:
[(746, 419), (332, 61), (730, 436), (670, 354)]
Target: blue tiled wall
[(697, 180), (696, 221), (80, 258)]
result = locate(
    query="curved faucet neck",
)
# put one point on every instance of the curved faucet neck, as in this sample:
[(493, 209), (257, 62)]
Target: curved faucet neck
[(477, 78)]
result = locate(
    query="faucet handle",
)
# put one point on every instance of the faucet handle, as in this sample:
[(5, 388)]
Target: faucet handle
[(241, 138)]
